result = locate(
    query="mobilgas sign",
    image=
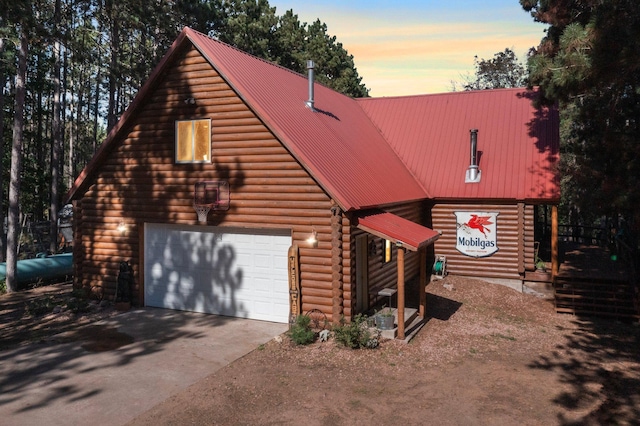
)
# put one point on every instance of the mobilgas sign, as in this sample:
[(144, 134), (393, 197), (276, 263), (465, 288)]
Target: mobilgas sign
[(476, 233)]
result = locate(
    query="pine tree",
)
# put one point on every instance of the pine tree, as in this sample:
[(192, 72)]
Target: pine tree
[(588, 63)]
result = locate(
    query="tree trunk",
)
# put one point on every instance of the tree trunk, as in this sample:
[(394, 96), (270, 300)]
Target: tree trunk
[(38, 150), (3, 237), (113, 71), (13, 231), (56, 146), (96, 111)]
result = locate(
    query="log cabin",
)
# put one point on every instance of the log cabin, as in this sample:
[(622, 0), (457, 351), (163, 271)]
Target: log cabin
[(237, 187)]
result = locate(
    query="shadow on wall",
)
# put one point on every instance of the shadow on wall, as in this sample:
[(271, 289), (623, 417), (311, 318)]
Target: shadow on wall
[(152, 188), (192, 271)]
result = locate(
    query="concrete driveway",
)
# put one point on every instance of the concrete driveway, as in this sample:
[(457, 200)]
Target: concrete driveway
[(110, 372)]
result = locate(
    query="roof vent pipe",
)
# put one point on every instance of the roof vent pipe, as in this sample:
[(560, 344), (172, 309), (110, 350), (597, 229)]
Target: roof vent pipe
[(473, 173), (310, 68)]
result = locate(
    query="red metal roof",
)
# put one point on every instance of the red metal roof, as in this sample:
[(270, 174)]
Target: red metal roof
[(338, 144), (518, 144), (397, 229), (376, 152)]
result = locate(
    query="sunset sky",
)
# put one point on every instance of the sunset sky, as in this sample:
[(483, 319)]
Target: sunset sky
[(407, 47)]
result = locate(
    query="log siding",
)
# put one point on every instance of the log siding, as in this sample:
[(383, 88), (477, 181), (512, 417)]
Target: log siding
[(140, 183), (515, 230)]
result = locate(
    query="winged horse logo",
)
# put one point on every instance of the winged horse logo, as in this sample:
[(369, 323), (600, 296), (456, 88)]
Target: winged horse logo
[(479, 223)]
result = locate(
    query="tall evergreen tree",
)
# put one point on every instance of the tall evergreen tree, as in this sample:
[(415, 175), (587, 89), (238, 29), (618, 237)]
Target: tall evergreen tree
[(56, 132), (248, 25), (13, 228), (3, 82), (289, 48), (588, 62), (335, 67), (86, 60)]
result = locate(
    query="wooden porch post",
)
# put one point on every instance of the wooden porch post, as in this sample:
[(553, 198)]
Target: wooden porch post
[(422, 286), (554, 241), (400, 292)]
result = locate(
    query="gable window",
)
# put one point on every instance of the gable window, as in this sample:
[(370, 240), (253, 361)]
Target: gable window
[(193, 141)]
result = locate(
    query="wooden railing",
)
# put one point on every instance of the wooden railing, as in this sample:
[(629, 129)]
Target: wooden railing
[(630, 258), (620, 249), (591, 235)]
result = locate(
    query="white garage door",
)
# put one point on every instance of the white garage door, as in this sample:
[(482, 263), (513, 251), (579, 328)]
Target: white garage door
[(224, 271)]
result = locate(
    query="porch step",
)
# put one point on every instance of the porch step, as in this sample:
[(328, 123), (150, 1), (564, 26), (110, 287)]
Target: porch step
[(413, 323)]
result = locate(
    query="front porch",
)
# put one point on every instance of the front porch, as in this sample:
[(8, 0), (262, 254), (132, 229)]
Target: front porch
[(412, 324), (405, 235)]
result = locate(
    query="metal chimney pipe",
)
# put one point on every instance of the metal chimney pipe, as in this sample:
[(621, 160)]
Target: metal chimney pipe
[(474, 147), (310, 68), (473, 174)]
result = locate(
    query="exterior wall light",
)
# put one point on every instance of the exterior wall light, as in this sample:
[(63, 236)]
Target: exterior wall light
[(313, 239), (122, 228)]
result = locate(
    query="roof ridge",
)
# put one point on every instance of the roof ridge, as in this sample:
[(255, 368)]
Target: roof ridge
[(266, 61), (424, 95)]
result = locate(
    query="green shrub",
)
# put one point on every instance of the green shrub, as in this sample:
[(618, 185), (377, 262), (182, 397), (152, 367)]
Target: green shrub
[(356, 334), (300, 332), (78, 302), (40, 306), (77, 305), (3, 286)]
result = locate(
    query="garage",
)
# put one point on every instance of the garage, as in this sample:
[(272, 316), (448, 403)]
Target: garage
[(234, 272)]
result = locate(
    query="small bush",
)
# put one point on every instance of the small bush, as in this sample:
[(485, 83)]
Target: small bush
[(40, 306), (356, 334), (77, 305), (78, 302), (300, 332), (3, 286)]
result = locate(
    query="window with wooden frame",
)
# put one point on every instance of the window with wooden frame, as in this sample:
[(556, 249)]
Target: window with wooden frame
[(387, 251), (193, 141)]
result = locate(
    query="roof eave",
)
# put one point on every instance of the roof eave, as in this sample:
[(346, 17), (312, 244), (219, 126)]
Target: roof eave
[(403, 232)]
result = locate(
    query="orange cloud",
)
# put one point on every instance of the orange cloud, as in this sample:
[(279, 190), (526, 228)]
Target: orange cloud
[(426, 57)]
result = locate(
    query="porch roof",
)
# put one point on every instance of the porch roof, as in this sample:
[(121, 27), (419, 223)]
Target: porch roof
[(397, 229)]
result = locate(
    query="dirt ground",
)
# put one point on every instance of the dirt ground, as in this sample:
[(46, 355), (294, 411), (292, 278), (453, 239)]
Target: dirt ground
[(31, 315), (487, 355)]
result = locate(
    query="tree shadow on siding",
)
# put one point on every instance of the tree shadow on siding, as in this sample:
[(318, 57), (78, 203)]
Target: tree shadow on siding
[(162, 198), (599, 366), (142, 184), (193, 270)]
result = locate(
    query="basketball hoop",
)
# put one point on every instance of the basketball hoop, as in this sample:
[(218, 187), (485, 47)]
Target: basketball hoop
[(202, 210), (210, 195)]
